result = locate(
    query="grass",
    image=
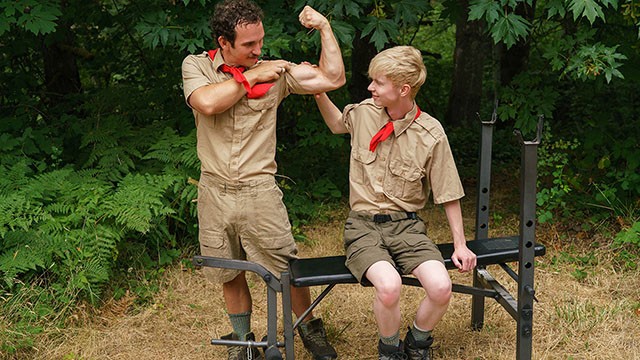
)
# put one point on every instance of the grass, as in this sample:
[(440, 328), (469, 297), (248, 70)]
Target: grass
[(589, 307)]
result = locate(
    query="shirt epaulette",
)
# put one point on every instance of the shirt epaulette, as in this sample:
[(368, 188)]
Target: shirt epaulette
[(431, 125), (369, 102)]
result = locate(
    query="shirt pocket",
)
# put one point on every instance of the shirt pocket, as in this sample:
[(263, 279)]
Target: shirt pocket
[(266, 102), (361, 165), (404, 180)]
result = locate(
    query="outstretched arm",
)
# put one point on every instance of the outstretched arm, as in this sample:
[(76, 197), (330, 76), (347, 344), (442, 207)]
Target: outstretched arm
[(330, 113), (329, 74), (463, 258)]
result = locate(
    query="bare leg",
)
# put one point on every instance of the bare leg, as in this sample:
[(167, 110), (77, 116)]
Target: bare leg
[(436, 282), (300, 301), (386, 304), (236, 295)]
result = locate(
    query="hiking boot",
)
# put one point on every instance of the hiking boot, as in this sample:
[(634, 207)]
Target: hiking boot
[(418, 350), (315, 341), (242, 352), (390, 352)]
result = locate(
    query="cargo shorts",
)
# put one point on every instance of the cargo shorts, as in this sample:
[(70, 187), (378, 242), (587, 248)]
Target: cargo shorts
[(401, 241), (244, 221)]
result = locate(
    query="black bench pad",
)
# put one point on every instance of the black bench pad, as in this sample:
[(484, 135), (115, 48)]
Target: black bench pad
[(331, 269)]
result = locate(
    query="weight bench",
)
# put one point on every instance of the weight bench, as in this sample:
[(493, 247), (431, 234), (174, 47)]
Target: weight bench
[(330, 271)]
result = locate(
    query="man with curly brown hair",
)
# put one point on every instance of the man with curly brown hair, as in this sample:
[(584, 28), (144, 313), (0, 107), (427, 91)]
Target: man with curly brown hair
[(234, 97)]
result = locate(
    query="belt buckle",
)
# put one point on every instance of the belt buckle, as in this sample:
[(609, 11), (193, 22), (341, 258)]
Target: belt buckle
[(380, 218)]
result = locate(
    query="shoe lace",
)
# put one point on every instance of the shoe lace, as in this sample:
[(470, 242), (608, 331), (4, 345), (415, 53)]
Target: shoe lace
[(426, 354), (235, 352), (317, 338), (241, 352), (398, 356)]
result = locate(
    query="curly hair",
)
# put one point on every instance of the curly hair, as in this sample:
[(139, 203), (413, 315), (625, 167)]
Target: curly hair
[(230, 13)]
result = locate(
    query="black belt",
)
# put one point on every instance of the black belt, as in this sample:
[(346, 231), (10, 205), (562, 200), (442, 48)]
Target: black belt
[(382, 218)]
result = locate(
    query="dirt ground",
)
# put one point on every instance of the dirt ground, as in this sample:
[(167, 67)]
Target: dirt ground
[(594, 317)]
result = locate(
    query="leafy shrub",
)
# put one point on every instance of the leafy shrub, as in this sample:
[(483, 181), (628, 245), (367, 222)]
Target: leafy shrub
[(555, 179)]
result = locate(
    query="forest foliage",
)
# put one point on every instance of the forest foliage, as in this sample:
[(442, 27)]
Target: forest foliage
[(98, 160)]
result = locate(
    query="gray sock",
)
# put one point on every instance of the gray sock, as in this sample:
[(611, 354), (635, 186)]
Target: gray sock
[(419, 334), (393, 340), (241, 324)]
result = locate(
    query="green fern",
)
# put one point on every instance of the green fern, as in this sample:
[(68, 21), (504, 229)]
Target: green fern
[(28, 256), (113, 147), (138, 199), (177, 152)]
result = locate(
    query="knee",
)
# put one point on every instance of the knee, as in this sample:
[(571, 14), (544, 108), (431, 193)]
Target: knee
[(440, 293), (389, 293)]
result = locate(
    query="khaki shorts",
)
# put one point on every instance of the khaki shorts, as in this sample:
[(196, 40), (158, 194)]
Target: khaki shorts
[(244, 221), (403, 243)]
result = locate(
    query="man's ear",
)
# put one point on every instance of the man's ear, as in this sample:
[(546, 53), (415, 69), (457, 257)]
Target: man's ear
[(224, 43), (405, 90)]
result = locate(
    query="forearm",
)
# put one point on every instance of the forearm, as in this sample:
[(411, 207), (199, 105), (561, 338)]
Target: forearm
[(329, 74), (331, 63), (216, 98), (330, 113), (453, 210)]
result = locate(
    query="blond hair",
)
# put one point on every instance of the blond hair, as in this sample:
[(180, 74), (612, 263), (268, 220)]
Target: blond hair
[(401, 65)]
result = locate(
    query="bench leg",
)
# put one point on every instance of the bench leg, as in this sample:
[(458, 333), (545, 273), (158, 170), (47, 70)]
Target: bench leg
[(287, 316), (477, 305), (526, 293), (272, 322)]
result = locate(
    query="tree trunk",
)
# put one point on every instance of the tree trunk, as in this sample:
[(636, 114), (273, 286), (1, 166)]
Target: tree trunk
[(515, 60), (60, 67), (362, 53), (468, 62)]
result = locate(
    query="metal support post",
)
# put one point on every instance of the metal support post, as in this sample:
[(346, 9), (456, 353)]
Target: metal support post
[(526, 293), (482, 212), (287, 317)]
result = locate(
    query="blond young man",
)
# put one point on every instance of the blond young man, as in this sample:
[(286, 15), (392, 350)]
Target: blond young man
[(234, 97), (399, 154)]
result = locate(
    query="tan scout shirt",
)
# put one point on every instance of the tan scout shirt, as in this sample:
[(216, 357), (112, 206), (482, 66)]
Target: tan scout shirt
[(239, 144), (399, 174)]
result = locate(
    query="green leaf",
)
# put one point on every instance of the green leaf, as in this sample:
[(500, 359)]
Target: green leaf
[(488, 9), (346, 8), (409, 11), (4, 25), (586, 8), (41, 19), (510, 29), (381, 30), (343, 31), (556, 7)]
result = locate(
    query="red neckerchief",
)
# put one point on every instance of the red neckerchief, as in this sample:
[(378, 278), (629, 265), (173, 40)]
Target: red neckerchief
[(257, 91), (384, 133)]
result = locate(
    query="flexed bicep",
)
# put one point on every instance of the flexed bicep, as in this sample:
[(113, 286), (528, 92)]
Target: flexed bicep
[(311, 79)]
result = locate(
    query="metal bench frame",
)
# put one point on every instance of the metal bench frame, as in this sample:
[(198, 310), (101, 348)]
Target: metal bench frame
[(331, 271)]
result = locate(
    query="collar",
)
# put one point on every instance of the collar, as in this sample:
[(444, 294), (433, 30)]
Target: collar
[(401, 125), (216, 58)]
